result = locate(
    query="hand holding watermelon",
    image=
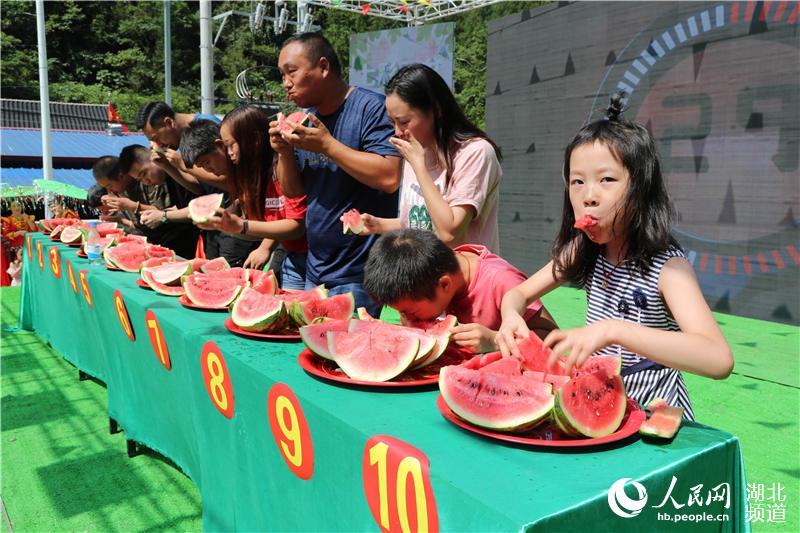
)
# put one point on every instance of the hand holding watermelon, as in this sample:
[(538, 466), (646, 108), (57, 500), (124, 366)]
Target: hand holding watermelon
[(475, 337), (316, 139), (581, 343), (513, 330)]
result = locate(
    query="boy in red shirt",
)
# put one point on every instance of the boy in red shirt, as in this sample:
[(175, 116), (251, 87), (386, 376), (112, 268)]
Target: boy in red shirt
[(415, 273)]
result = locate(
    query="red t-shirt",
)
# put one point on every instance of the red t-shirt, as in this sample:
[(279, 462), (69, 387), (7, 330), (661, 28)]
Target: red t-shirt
[(279, 207)]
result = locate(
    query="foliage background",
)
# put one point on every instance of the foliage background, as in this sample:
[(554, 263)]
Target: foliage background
[(113, 51)]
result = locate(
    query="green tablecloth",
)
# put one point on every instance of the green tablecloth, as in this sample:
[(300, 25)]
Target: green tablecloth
[(246, 484)]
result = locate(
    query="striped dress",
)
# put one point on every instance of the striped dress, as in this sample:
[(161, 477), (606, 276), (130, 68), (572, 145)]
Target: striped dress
[(633, 298)]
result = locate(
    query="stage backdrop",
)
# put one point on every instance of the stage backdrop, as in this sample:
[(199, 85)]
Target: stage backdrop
[(375, 56), (716, 84)]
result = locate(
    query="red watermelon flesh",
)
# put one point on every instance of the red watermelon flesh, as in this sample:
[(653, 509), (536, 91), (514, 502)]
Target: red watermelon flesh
[(315, 336), (263, 282), (507, 366), (317, 293), (352, 222), (592, 405), (298, 118), (496, 400), (210, 291), (204, 207), (105, 228), (372, 355), (197, 263), (480, 361), (426, 342), (535, 356), (441, 330), (215, 265), (128, 257), (241, 275), (170, 273), (166, 290), (155, 250), (155, 261), (664, 422), (610, 364), (140, 239), (104, 242), (586, 221), (339, 307), (555, 380)]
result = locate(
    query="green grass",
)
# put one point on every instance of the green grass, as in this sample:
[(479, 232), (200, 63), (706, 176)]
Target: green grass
[(62, 471)]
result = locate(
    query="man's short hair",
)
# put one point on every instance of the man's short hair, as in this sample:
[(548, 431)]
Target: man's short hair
[(133, 153), (94, 196), (407, 263), (106, 167), (198, 139), (316, 47), (153, 113)]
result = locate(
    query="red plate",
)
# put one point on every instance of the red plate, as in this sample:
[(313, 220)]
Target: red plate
[(54, 239), (81, 253), (634, 417), (186, 302), (112, 267), (143, 284), (75, 244), (266, 336), (327, 369)]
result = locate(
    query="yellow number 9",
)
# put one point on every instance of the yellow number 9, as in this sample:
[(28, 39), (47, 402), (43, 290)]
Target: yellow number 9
[(292, 433)]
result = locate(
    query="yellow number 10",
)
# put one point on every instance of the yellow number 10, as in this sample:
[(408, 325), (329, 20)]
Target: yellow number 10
[(408, 466)]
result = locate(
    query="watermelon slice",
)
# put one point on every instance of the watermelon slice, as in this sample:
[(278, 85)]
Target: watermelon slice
[(241, 275), (555, 380), (170, 273), (155, 250), (160, 288), (592, 405), (203, 207), (480, 361), (338, 307), (56, 232), (315, 335), (104, 242), (665, 421), (263, 282), (254, 311), (154, 262), (140, 239), (372, 355), (610, 364), (495, 397), (128, 257), (208, 291), (215, 265), (298, 117), (352, 222), (426, 342), (586, 221), (198, 262), (535, 356), (71, 235), (441, 330), (106, 228)]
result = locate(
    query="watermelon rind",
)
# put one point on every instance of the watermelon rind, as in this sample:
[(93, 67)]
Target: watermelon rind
[(160, 288), (254, 311), (367, 356), (579, 399), (339, 307), (315, 336), (664, 422), (441, 332), (203, 207), (353, 223), (71, 235), (170, 273), (494, 401)]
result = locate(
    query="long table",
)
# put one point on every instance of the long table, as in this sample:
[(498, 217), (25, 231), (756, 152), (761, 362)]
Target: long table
[(273, 448)]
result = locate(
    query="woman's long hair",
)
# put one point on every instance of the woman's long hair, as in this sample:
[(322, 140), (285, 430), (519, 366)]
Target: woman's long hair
[(647, 211), (422, 88), (249, 126)]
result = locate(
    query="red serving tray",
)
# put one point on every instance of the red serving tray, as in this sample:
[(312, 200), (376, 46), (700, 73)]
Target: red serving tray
[(186, 302), (261, 336), (143, 284)]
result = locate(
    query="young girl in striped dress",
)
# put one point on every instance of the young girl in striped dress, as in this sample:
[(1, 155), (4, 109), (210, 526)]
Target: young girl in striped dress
[(644, 301)]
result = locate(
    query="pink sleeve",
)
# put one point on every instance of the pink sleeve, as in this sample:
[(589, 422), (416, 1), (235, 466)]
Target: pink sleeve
[(474, 166), (506, 280)]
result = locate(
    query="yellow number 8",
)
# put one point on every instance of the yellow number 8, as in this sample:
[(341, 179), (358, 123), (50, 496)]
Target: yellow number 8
[(217, 378)]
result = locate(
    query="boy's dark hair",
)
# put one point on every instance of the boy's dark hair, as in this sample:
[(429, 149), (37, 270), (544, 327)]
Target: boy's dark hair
[(423, 88), (407, 263), (94, 196), (647, 210), (106, 167), (197, 139), (153, 113), (317, 47), (133, 153)]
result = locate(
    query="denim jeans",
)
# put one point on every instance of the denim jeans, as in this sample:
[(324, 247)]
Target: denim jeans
[(293, 271), (361, 297)]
